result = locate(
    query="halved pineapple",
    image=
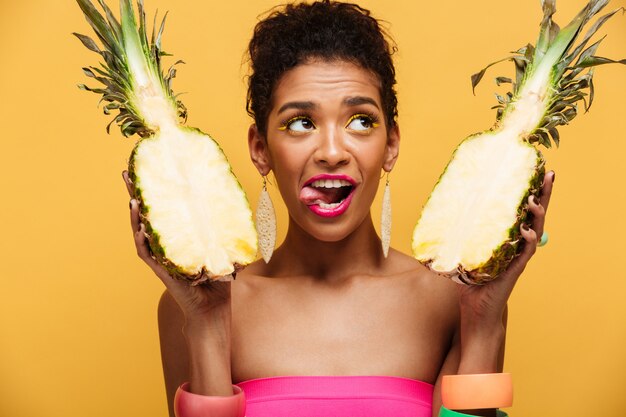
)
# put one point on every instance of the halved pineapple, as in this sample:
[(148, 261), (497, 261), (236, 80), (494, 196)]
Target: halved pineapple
[(469, 227), (198, 220)]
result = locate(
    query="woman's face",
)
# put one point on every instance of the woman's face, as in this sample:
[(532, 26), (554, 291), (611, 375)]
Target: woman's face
[(326, 143)]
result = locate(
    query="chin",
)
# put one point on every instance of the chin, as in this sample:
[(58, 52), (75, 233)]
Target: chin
[(335, 230)]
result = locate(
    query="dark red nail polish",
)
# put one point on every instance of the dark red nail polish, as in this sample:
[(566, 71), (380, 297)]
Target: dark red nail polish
[(553, 176), (535, 200), (525, 227)]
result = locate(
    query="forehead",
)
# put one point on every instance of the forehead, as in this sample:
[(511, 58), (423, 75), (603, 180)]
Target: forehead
[(325, 82)]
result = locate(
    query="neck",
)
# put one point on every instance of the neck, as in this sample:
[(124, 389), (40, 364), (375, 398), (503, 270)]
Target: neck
[(302, 255)]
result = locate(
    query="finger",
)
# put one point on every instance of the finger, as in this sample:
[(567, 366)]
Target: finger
[(143, 251), (546, 189), (128, 182), (538, 214), (518, 264), (530, 243), (134, 215)]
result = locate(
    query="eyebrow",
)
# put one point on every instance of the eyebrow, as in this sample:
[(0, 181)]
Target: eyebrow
[(299, 105), (308, 105), (358, 100)]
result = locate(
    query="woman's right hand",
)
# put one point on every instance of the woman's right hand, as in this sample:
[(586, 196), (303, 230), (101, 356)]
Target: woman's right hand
[(207, 312), (199, 303)]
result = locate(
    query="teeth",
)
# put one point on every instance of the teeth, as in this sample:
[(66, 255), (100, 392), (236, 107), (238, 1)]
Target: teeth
[(330, 206), (330, 183)]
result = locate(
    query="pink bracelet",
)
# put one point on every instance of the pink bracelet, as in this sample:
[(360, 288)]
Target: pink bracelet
[(187, 404), (476, 391)]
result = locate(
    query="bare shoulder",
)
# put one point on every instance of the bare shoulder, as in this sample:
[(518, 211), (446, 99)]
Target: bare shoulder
[(435, 292), (438, 287), (168, 308)]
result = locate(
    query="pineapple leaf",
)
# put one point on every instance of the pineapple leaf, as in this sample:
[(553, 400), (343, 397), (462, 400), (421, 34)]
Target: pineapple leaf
[(113, 23), (89, 73), (588, 35), (549, 8), (555, 135), (480, 74), (130, 61), (592, 61), (554, 31), (157, 43), (88, 42), (588, 53), (142, 26), (99, 25), (591, 89), (555, 67), (520, 70), (503, 80)]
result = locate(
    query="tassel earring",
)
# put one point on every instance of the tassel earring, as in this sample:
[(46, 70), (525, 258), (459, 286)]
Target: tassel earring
[(266, 224), (385, 221)]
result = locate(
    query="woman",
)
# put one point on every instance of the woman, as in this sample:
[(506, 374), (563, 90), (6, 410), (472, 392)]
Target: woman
[(329, 307)]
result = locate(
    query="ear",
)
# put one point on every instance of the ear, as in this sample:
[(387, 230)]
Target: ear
[(259, 154), (392, 148)]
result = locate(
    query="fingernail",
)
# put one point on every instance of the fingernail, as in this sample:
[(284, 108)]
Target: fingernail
[(525, 227), (140, 226), (130, 203), (535, 200), (553, 176)]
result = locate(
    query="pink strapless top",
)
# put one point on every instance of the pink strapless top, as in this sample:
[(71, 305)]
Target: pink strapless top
[(337, 396)]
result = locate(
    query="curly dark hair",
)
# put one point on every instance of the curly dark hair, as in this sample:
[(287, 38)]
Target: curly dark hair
[(327, 30)]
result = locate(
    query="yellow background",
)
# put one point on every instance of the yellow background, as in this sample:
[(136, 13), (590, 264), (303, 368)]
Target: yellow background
[(78, 332)]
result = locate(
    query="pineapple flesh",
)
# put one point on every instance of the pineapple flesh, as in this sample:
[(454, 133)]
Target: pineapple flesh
[(469, 227), (198, 220)]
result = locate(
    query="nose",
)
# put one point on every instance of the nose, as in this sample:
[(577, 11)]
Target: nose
[(331, 149)]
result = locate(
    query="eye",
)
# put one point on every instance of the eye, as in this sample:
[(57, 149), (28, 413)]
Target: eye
[(362, 123), (300, 124)]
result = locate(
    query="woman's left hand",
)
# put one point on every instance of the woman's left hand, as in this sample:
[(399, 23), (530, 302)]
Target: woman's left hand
[(482, 306)]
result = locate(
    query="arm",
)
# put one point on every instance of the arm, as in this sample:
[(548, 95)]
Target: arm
[(479, 344), (451, 364), (208, 369), (174, 355), (195, 319)]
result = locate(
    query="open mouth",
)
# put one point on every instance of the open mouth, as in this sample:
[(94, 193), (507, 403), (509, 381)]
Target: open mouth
[(327, 196)]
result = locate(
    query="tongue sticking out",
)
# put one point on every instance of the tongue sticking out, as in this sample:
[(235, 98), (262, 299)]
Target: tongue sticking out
[(311, 195)]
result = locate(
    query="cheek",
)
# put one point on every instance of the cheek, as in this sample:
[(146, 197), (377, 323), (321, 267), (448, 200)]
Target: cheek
[(287, 163), (370, 156), (287, 158), (370, 161)]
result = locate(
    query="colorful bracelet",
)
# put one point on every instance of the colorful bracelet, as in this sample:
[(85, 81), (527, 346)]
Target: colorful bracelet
[(444, 412), (187, 404), (477, 391)]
